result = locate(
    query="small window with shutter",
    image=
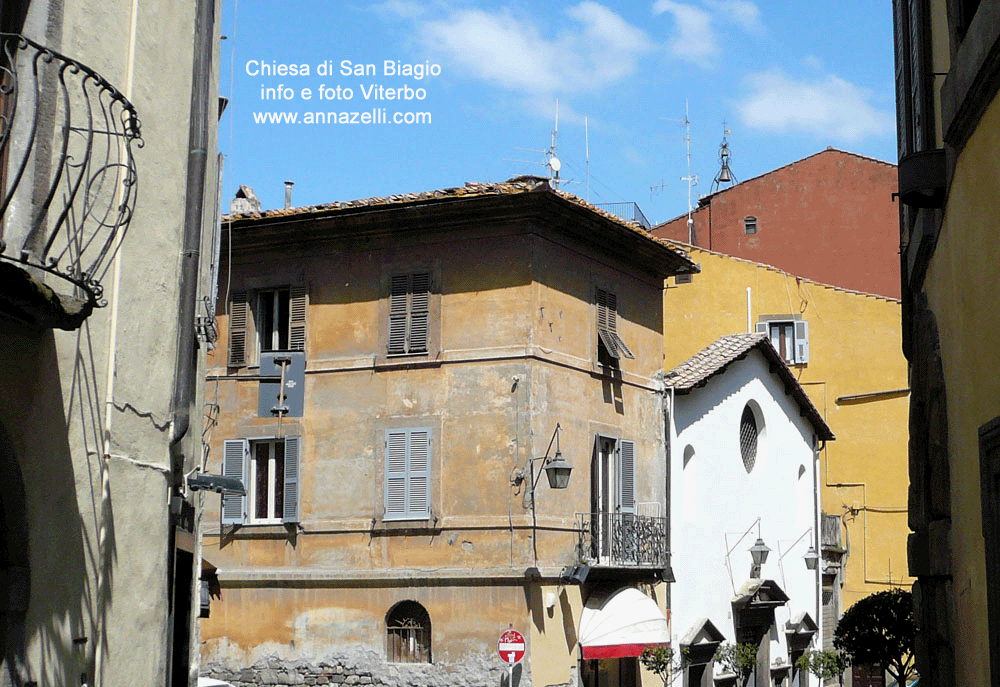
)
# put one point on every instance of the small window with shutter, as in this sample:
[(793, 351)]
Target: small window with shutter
[(790, 338), (278, 320), (269, 470), (611, 348), (408, 474), (409, 313)]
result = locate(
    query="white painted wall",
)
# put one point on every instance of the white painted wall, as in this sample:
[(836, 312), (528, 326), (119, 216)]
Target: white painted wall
[(714, 501)]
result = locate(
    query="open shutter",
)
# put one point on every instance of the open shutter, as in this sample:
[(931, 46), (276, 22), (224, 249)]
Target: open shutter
[(419, 312), (626, 476), (235, 461), (297, 301), (395, 474), (239, 316), (397, 314), (290, 511), (801, 342), (419, 490)]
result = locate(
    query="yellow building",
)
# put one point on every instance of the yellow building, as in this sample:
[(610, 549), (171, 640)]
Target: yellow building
[(843, 347), (393, 379), (947, 76)]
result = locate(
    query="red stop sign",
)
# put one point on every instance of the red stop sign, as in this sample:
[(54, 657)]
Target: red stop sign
[(510, 646)]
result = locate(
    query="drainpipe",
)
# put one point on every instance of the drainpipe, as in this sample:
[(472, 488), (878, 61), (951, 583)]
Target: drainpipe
[(185, 368)]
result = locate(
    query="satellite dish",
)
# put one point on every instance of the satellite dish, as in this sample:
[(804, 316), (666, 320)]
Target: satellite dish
[(554, 164)]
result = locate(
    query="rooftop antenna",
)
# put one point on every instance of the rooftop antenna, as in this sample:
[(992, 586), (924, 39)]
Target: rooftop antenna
[(725, 175), (692, 179), (586, 138), (551, 161)]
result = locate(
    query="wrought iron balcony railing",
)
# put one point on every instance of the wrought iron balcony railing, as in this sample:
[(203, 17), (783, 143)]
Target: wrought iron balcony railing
[(67, 174), (622, 540)]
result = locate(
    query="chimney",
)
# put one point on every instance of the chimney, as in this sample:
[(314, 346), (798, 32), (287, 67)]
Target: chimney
[(288, 194), (245, 202)]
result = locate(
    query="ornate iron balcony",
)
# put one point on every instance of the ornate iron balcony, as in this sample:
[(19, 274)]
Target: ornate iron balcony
[(622, 540), (67, 175)]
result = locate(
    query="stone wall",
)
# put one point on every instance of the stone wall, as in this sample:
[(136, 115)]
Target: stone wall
[(367, 668)]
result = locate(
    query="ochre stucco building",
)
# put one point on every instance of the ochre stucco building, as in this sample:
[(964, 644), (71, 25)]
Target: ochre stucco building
[(438, 351), (843, 347), (947, 80)]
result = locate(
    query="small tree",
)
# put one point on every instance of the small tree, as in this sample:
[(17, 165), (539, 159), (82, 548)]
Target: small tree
[(661, 660), (825, 664), (738, 659), (880, 630)]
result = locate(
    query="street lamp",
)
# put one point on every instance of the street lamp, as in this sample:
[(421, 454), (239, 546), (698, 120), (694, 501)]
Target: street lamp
[(557, 469), (759, 553)]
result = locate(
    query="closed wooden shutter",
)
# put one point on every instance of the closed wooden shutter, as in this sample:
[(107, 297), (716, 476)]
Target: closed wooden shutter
[(407, 474), (419, 312), (420, 474), (239, 316), (626, 476), (398, 314), (297, 302), (235, 461), (290, 508), (801, 342)]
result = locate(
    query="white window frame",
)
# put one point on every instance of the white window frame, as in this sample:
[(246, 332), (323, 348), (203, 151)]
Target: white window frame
[(281, 294), (273, 477), (799, 353), (246, 323)]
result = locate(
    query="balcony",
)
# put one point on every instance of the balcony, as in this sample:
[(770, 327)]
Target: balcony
[(622, 540), (629, 212), (67, 183)]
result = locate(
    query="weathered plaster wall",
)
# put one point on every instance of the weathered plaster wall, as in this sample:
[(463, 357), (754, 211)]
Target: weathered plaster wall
[(88, 411), (515, 304), (961, 274), (855, 348)]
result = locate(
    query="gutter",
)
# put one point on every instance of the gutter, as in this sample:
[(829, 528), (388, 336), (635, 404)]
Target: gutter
[(185, 367)]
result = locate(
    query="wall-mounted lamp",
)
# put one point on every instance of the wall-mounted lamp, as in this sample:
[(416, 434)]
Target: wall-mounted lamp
[(758, 552), (811, 557), (557, 469)]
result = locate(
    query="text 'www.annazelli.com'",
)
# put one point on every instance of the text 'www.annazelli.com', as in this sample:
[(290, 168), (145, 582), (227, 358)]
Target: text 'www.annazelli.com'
[(376, 115)]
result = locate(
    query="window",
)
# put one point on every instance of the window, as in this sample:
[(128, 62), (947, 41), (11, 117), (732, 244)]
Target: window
[(610, 345), (790, 338), (612, 501), (749, 224), (408, 633), (269, 470), (409, 313), (748, 438), (278, 320), (407, 474)]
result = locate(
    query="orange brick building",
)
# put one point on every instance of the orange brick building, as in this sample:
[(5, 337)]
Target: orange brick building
[(829, 217)]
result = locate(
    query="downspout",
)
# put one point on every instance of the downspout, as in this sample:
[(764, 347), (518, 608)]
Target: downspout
[(818, 447), (185, 367)]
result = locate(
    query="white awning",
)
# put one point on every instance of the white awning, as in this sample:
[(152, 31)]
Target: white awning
[(621, 623)]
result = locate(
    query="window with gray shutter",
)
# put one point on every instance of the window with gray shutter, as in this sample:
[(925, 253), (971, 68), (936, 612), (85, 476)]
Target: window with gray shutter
[(239, 315), (626, 476), (790, 338), (409, 312), (407, 474), (298, 297), (291, 492), (607, 326), (235, 461)]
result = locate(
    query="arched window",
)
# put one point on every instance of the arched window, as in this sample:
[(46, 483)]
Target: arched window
[(408, 633), (748, 437)]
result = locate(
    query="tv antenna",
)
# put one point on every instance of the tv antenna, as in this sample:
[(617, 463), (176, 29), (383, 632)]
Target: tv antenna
[(691, 179), (552, 163), (725, 175)]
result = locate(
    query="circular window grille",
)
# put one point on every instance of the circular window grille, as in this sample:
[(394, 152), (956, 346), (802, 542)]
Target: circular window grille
[(748, 438)]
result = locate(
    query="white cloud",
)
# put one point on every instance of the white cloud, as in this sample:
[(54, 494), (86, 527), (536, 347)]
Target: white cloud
[(743, 13), (829, 107), (599, 48), (696, 38)]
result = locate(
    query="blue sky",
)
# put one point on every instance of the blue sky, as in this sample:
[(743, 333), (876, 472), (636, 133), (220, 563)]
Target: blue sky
[(788, 77)]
